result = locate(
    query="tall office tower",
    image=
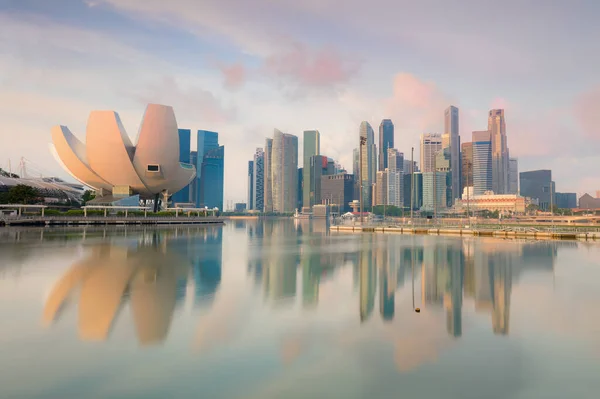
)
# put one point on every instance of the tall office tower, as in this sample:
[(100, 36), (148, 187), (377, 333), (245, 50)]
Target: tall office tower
[(431, 143), (338, 189), (312, 147), (367, 167), (395, 179), (210, 170), (442, 164), (183, 195), (356, 172), (513, 176), (406, 168), (250, 204), (482, 162), (430, 188), (386, 141), (259, 180), (451, 129), (268, 180), (319, 166), (538, 184), (497, 129), (300, 184), (194, 183), (466, 169), (417, 191), (381, 188), (284, 172)]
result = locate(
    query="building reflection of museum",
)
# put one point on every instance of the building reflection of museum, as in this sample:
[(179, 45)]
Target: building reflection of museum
[(151, 275)]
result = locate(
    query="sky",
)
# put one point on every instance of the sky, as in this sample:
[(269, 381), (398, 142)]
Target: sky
[(244, 68)]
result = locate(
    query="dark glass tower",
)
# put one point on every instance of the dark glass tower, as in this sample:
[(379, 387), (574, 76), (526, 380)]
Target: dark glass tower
[(386, 141), (183, 195), (210, 168)]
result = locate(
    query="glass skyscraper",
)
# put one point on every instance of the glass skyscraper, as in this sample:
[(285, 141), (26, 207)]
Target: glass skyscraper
[(482, 162), (451, 129), (258, 176), (210, 168), (250, 185), (386, 141), (183, 195), (368, 152), (284, 172), (312, 147)]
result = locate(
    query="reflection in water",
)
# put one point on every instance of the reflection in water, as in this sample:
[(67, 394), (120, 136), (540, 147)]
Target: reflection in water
[(291, 261), (150, 275)]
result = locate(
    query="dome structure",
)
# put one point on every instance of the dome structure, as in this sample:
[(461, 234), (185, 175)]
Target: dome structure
[(111, 164)]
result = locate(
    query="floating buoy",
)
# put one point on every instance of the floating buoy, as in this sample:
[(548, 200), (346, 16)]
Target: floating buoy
[(418, 310)]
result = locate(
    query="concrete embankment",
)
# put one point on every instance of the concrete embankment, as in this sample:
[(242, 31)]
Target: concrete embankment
[(537, 235), (109, 220)]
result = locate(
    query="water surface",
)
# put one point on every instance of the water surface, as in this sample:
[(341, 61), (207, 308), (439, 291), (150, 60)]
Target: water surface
[(282, 309)]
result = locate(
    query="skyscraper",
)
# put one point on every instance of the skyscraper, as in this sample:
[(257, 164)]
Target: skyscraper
[(395, 179), (451, 128), (431, 143), (268, 184), (431, 188), (367, 168), (312, 147), (513, 176), (381, 188), (210, 167), (183, 195), (466, 166), (482, 162), (250, 185), (497, 129), (284, 172), (356, 172), (386, 141), (259, 180), (538, 184), (319, 167)]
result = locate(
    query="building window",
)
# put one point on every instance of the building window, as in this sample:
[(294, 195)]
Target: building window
[(153, 168)]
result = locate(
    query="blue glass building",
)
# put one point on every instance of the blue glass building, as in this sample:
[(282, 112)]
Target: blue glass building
[(183, 195), (210, 168)]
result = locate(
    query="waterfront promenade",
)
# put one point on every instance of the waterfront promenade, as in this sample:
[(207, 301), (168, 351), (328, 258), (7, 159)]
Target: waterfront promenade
[(66, 220), (585, 233)]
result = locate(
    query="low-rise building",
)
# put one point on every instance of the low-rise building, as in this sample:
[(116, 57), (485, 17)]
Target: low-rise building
[(588, 202), (489, 201)]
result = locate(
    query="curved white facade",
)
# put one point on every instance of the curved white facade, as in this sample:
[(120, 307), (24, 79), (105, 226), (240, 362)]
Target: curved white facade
[(109, 159)]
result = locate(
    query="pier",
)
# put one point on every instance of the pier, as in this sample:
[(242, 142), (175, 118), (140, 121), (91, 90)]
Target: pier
[(530, 233)]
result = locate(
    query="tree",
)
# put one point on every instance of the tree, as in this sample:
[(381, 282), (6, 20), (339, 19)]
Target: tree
[(88, 195), (22, 194)]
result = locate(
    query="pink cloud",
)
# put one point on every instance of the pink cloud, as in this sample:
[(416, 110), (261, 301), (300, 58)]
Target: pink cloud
[(585, 111), (317, 68), (417, 104), (235, 75)]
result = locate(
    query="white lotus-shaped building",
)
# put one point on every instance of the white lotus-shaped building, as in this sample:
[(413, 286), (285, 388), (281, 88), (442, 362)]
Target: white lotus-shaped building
[(111, 164)]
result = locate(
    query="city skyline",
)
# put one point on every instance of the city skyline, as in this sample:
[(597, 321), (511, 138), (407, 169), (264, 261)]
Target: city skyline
[(235, 74)]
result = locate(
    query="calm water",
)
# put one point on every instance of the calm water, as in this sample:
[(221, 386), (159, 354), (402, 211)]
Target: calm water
[(284, 310)]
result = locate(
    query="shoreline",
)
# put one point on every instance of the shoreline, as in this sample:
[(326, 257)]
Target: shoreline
[(537, 235)]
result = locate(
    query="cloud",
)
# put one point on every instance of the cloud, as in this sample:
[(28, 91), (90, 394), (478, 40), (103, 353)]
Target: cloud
[(235, 75), (189, 100), (586, 111), (323, 67)]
